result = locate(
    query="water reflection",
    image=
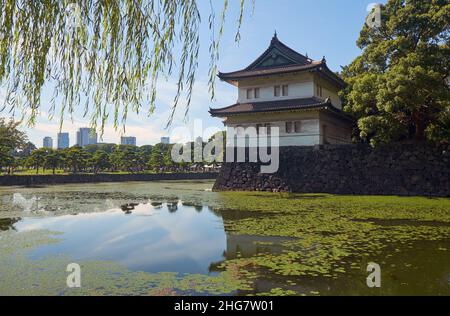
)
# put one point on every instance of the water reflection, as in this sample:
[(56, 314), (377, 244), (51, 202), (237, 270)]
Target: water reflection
[(172, 207), (127, 208), (166, 238), (153, 237), (8, 223)]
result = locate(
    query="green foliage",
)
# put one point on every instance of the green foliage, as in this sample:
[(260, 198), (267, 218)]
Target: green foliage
[(6, 158), (10, 136), (108, 148), (156, 162), (76, 158), (111, 52), (53, 160), (92, 158), (100, 161), (126, 158), (26, 150), (398, 87), (37, 158)]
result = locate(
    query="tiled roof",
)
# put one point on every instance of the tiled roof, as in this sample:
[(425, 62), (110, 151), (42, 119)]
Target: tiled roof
[(274, 106), (241, 74), (280, 59), (277, 46)]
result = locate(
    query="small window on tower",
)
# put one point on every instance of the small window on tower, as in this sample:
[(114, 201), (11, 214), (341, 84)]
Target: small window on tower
[(319, 90), (276, 91), (249, 93), (285, 90), (289, 127), (256, 93), (298, 127)]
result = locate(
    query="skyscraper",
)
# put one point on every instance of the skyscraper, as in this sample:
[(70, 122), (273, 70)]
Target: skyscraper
[(48, 142), (128, 140), (165, 140), (63, 140), (86, 136)]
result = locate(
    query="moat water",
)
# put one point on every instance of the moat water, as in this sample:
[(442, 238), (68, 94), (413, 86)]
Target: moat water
[(166, 238)]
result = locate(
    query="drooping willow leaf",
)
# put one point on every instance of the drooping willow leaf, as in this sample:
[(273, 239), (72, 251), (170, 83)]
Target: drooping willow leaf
[(108, 53)]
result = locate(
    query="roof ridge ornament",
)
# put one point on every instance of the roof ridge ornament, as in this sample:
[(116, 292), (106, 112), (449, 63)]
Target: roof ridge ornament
[(324, 60), (275, 37)]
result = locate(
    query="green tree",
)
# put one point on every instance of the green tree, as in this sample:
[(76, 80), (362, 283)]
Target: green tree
[(107, 50), (37, 158), (10, 136), (168, 161), (156, 162), (76, 159), (26, 150), (100, 161), (53, 160), (108, 148), (6, 158), (398, 88), (128, 158)]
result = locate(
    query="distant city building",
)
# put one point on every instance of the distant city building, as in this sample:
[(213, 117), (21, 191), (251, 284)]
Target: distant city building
[(86, 136), (165, 140), (63, 140), (48, 142), (128, 140)]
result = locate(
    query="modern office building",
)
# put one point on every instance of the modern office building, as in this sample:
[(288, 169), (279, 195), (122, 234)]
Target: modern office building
[(165, 140), (63, 140), (128, 140), (86, 136), (48, 142)]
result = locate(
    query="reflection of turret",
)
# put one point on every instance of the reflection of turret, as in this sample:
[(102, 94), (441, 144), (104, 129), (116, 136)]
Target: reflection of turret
[(156, 205), (127, 208), (8, 223), (172, 207), (248, 246), (197, 207)]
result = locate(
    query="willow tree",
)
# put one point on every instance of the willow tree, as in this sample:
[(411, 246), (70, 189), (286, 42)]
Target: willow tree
[(103, 55), (398, 88)]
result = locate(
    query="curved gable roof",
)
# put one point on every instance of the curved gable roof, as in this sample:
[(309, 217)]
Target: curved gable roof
[(278, 54), (280, 59)]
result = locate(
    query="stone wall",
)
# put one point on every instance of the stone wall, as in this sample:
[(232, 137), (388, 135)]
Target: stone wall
[(400, 169), (90, 178)]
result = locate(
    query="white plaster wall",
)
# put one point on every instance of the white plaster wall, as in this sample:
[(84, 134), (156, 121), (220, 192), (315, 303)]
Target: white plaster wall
[(296, 90), (309, 136), (300, 86), (328, 91)]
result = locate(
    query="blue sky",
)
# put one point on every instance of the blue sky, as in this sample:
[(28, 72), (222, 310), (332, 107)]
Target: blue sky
[(318, 27)]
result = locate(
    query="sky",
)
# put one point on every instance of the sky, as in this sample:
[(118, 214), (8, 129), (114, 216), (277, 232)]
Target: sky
[(319, 28)]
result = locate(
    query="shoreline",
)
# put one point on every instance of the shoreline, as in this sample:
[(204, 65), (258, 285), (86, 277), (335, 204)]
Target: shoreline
[(29, 180)]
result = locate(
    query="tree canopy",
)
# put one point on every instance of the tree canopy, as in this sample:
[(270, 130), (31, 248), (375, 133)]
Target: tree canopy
[(10, 136), (398, 88), (109, 53)]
